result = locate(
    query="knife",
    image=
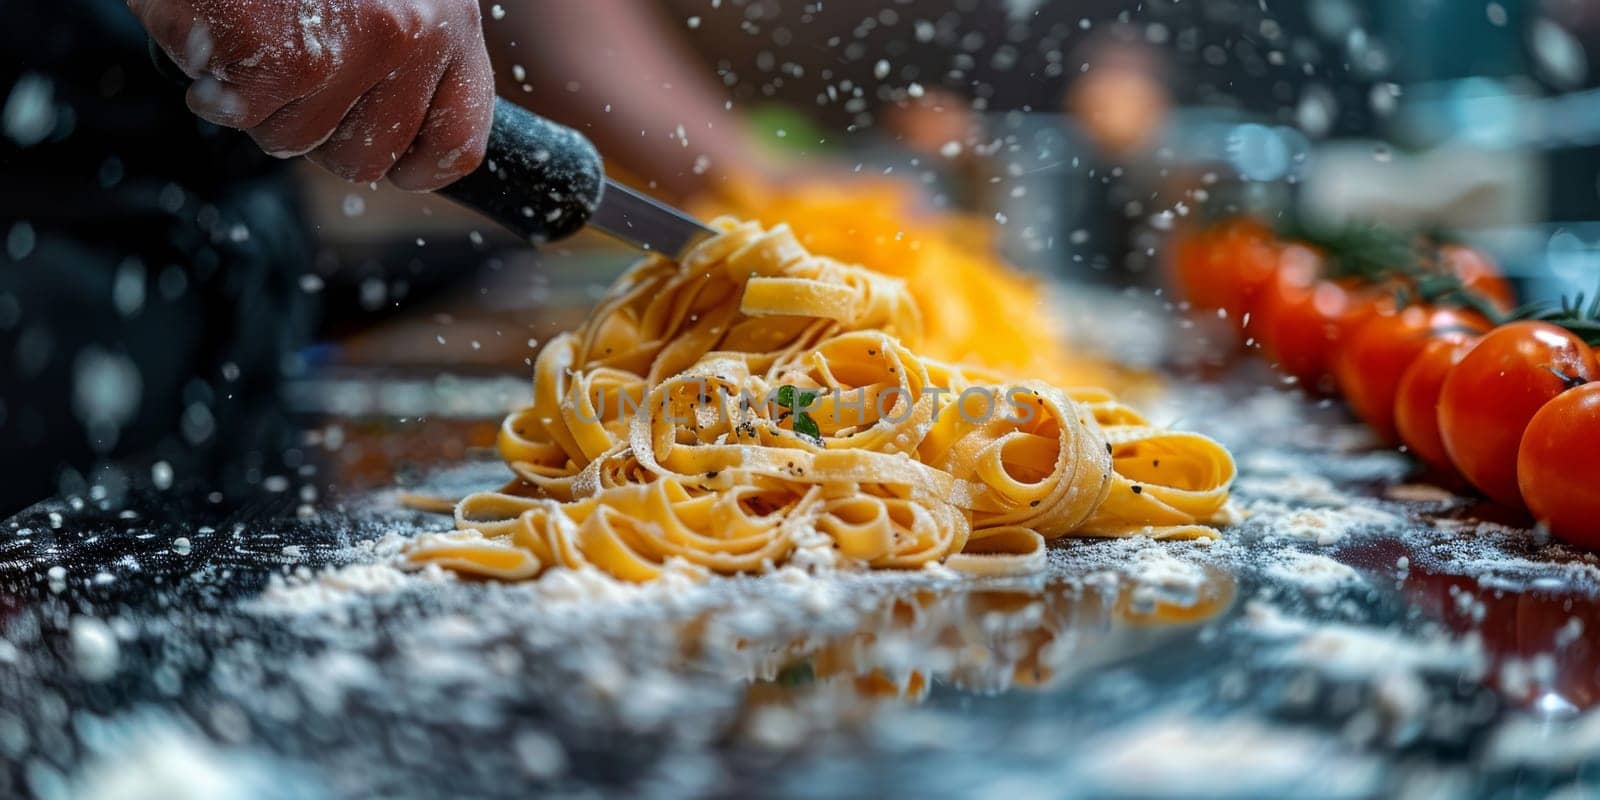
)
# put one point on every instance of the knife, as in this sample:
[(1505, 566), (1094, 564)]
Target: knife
[(544, 182)]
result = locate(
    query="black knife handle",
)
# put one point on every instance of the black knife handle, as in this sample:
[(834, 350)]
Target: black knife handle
[(539, 179)]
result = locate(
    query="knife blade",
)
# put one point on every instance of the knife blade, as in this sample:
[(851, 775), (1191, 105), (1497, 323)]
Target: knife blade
[(645, 223)]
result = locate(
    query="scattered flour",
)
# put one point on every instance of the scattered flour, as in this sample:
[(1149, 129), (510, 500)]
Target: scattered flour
[(539, 754), (1330, 526), (1177, 755), (1158, 566), (1160, 573), (1541, 742), (1300, 487), (1505, 558), (95, 651), (377, 568), (372, 568), (145, 756), (1421, 493), (1312, 572), (307, 590), (1364, 653), (1284, 498), (588, 585)]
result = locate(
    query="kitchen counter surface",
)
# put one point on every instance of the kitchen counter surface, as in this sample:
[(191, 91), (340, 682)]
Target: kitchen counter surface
[(1359, 632)]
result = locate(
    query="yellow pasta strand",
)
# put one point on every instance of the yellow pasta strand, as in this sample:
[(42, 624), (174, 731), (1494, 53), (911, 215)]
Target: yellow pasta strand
[(756, 401)]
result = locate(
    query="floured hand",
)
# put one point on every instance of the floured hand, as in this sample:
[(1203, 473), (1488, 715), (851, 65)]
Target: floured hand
[(365, 88)]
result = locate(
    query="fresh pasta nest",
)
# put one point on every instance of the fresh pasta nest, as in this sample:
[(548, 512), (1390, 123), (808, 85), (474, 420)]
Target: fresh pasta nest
[(757, 405)]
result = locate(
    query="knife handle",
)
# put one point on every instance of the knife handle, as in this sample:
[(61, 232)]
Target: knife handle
[(539, 179)]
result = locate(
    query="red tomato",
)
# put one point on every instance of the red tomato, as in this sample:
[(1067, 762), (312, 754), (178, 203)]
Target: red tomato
[(1365, 303), (1489, 397), (1186, 253), (1416, 400), (1300, 319), (1479, 274), (1369, 365), (1558, 466), (1226, 266)]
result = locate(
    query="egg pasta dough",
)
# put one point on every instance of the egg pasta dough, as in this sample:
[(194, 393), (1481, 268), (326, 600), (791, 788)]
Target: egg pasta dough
[(757, 405)]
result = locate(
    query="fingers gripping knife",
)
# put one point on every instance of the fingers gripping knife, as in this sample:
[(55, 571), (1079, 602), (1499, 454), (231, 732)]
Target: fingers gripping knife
[(545, 182)]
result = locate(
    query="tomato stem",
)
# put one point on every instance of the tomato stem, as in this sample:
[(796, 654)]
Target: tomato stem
[(1377, 255), (1581, 321), (1571, 381), (1449, 290)]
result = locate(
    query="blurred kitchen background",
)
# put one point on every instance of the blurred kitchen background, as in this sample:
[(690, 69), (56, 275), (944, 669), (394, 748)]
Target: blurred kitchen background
[(1085, 130)]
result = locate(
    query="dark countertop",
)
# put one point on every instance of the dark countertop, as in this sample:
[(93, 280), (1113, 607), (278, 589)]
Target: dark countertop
[(172, 642)]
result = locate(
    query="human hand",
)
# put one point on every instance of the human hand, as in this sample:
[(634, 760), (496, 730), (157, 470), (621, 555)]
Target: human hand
[(365, 88)]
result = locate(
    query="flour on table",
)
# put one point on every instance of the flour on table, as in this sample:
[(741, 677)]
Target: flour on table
[(1231, 756), (1159, 572), (1503, 557), (1362, 653), (1298, 487), (1422, 493), (1312, 572), (1330, 526), (1536, 741), (146, 756), (371, 569)]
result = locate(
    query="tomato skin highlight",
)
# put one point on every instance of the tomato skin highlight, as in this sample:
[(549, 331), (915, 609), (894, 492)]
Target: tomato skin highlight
[(1477, 273), (1416, 400), (1226, 266), (1253, 249), (1370, 364), (1489, 397), (1300, 318), (1558, 466)]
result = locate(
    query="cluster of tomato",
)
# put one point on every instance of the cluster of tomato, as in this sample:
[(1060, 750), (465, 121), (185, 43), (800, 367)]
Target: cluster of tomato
[(1425, 346)]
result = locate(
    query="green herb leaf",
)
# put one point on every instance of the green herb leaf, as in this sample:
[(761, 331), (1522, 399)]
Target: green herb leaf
[(795, 398), (806, 426), (797, 674)]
